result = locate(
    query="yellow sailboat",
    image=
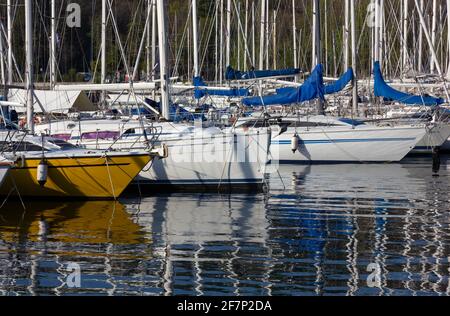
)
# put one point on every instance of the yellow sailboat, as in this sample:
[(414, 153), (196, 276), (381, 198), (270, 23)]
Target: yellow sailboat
[(46, 167), (81, 175)]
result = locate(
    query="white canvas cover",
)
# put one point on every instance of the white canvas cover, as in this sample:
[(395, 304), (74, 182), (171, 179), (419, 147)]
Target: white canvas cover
[(58, 102)]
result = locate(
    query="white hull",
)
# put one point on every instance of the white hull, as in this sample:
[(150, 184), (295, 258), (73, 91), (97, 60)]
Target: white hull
[(196, 156), (435, 137), (337, 144), (3, 173), (221, 159)]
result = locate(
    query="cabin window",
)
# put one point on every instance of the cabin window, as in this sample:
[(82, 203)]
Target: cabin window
[(61, 144), (130, 131), (20, 146)]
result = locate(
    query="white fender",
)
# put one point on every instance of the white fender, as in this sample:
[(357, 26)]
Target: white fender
[(295, 143), (42, 173)]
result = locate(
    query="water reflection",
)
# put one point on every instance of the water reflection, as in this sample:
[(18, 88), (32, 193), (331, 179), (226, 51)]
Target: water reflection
[(314, 233)]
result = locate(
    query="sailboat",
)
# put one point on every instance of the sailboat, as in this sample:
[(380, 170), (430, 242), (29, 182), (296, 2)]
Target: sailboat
[(198, 156), (313, 141), (47, 167)]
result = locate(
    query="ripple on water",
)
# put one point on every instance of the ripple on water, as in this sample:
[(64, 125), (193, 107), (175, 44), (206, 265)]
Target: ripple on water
[(314, 233)]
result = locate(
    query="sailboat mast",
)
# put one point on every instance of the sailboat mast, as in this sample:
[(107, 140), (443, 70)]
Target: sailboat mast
[(221, 43), (294, 34), (9, 31), (448, 39), (433, 35), (346, 34), (103, 51), (2, 64), (317, 54), (162, 37), (318, 48), (148, 49), (228, 34), (354, 57), (53, 45), (262, 34), (195, 37), (405, 36), (420, 57), (29, 64), (377, 31)]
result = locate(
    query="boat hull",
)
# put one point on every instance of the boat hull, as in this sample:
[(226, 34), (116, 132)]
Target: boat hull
[(361, 144), (435, 137), (222, 161), (198, 158), (89, 177), (4, 170)]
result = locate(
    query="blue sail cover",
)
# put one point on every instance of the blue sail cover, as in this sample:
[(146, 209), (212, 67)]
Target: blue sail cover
[(203, 90), (341, 83), (232, 74), (313, 88), (382, 89), (332, 88)]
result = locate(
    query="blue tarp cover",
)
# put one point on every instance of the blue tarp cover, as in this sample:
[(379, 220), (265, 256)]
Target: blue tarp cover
[(341, 83), (313, 88), (232, 74), (382, 89), (332, 88), (204, 90)]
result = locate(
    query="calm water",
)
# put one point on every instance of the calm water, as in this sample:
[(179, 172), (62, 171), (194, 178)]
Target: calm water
[(315, 233)]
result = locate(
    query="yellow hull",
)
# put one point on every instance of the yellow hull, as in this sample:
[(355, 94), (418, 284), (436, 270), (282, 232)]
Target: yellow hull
[(81, 177)]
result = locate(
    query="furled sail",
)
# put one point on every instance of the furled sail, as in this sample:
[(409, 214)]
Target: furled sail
[(331, 88), (202, 90), (232, 74), (341, 83), (313, 88), (382, 89)]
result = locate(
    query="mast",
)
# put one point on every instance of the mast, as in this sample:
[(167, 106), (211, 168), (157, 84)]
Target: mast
[(165, 110), (246, 36), (195, 37), (148, 45), (9, 31), (354, 56), (318, 49), (433, 36), (274, 39), (377, 31), (253, 36), (294, 34), (103, 52), (262, 34), (420, 58), (448, 39), (53, 45), (267, 40), (317, 53), (405, 36), (346, 35), (228, 34), (29, 64), (2, 59), (221, 42)]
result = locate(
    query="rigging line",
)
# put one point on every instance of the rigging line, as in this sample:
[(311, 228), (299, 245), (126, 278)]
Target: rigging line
[(183, 38)]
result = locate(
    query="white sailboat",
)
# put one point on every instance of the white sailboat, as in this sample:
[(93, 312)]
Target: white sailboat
[(195, 156), (325, 140)]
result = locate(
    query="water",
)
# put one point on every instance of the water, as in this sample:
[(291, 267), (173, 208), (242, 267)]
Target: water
[(315, 233)]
